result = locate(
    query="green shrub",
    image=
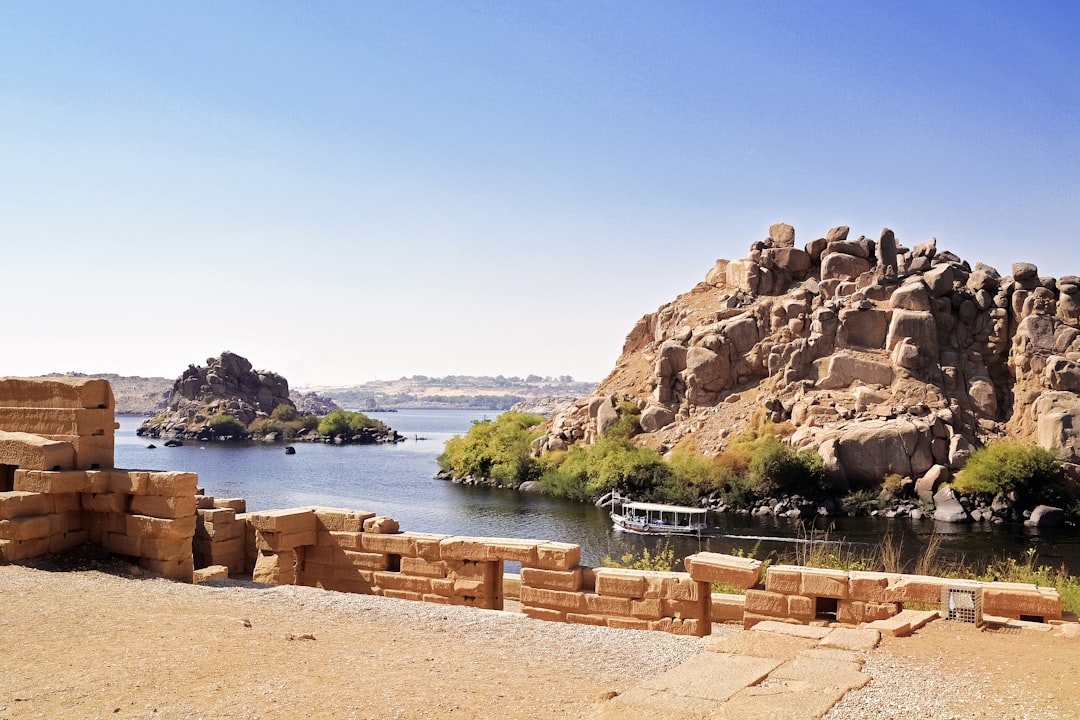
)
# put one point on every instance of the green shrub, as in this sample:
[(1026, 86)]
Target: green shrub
[(284, 413), (1032, 472), (613, 463), (662, 561), (224, 424), (345, 423), (629, 423), (498, 450)]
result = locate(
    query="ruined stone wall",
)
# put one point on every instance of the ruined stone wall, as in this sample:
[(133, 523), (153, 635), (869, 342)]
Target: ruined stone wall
[(806, 595), (58, 487)]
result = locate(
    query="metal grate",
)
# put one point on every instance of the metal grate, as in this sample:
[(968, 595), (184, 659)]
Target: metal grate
[(962, 604)]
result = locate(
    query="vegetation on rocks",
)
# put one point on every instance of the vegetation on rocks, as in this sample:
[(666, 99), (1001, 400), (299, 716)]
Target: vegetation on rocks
[(500, 451), (1030, 473), (494, 450)]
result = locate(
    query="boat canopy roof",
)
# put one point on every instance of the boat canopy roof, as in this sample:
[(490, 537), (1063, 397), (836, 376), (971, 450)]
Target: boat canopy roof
[(656, 507)]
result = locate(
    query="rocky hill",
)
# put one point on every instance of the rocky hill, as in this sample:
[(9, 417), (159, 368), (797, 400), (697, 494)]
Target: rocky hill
[(228, 400), (885, 359)]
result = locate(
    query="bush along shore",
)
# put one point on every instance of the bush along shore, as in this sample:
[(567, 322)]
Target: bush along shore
[(284, 424), (757, 473)]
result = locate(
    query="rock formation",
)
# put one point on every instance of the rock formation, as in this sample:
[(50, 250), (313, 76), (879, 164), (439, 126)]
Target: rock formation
[(226, 386), (885, 359)]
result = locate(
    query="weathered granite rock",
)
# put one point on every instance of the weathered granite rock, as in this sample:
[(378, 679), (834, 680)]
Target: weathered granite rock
[(1046, 516), (947, 508)]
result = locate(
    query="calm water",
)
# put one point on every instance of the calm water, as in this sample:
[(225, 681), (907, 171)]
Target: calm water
[(397, 480)]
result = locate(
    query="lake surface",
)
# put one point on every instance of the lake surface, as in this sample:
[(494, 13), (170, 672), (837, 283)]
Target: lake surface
[(398, 480)]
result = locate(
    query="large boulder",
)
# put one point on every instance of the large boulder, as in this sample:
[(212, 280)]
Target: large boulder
[(870, 450), (947, 508), (1046, 516), (840, 266)]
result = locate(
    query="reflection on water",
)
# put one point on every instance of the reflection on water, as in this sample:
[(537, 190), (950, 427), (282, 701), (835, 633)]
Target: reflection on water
[(397, 480)]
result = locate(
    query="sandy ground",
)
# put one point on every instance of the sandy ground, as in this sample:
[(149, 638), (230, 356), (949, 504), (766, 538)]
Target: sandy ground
[(86, 642)]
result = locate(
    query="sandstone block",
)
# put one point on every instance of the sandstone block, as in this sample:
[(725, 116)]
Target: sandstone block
[(427, 545), (18, 503), (397, 581), (144, 526), (367, 560), (57, 421), (607, 605), (403, 544), (179, 570), (25, 528), (786, 579), (106, 502), (727, 569), (620, 582), (336, 520), (172, 484), (283, 521), (554, 599), (44, 481), (343, 539), (686, 609), (55, 393), (579, 619), (380, 524), (763, 602), (163, 507), (817, 582), (649, 609), (568, 580), (67, 541), (1005, 601), (621, 623), (556, 556), (166, 548), (472, 548), (127, 482), (276, 541), (916, 589), (801, 607), (868, 586), (16, 550), (548, 614), (34, 452), (212, 572), (727, 608), (275, 568), (238, 505), (120, 544)]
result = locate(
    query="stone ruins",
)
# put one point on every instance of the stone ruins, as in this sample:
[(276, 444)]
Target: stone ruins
[(58, 489)]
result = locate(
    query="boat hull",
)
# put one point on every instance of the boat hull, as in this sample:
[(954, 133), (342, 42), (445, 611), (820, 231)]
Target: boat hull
[(654, 529)]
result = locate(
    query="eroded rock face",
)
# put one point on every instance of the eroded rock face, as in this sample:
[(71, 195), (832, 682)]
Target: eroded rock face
[(226, 385), (884, 359)]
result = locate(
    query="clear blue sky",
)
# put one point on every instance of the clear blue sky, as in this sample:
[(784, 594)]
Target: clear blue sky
[(345, 191)]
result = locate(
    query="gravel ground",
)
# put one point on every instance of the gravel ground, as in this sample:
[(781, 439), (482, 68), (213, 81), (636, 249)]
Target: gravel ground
[(87, 637)]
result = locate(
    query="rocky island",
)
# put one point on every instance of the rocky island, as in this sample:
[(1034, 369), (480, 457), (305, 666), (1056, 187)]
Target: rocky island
[(845, 367), (227, 400)]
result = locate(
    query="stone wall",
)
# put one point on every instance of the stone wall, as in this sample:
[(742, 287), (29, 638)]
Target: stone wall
[(58, 487)]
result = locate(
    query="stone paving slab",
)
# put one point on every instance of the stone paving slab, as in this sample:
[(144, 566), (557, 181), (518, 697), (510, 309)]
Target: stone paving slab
[(850, 639), (820, 653), (803, 631), (713, 676), (779, 700), (763, 644), (819, 672)]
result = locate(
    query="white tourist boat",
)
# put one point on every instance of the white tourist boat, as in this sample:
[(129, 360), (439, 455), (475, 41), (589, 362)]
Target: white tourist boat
[(656, 519)]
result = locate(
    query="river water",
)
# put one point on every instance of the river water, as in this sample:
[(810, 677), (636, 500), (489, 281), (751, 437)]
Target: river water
[(397, 480)]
